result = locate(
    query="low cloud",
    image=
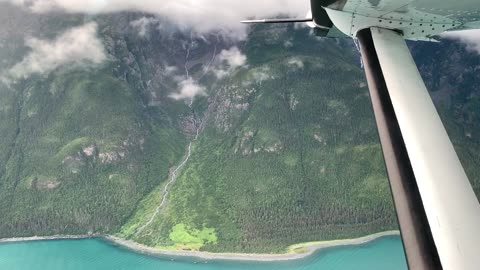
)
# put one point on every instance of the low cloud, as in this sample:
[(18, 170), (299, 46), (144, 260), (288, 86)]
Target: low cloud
[(169, 70), (233, 57), (76, 47), (263, 74), (202, 15), (188, 90), (294, 61), (288, 44), (143, 24), (227, 61), (471, 38)]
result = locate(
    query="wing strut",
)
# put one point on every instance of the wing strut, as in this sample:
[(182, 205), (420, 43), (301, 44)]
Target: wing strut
[(417, 239), (438, 212)]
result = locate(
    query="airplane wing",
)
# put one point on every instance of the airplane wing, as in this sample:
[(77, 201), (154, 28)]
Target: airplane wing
[(416, 19), (354, 15)]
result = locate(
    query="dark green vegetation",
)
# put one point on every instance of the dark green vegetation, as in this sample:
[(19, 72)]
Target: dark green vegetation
[(79, 148), (290, 156), (287, 151)]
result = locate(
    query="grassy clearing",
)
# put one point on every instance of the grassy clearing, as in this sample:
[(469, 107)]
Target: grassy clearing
[(185, 237)]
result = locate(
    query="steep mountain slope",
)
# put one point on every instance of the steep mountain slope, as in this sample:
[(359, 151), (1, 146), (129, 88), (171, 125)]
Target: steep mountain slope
[(82, 145), (278, 147), (288, 154)]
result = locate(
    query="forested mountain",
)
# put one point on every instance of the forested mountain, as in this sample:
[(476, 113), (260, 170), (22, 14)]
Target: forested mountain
[(277, 146), (287, 154)]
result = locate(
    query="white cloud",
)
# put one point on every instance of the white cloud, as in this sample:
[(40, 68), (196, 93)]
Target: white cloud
[(78, 46), (188, 90), (225, 62), (294, 61), (471, 38), (143, 24), (288, 44), (169, 70), (202, 15), (263, 74), (233, 57), (228, 60)]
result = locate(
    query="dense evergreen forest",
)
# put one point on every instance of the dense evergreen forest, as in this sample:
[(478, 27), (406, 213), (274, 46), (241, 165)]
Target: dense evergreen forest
[(279, 148)]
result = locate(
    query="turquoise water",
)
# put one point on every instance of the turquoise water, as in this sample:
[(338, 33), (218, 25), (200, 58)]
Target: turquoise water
[(90, 254)]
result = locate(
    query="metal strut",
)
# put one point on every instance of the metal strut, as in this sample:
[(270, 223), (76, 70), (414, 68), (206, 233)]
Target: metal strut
[(419, 246)]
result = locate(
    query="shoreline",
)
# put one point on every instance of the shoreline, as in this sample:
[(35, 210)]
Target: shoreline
[(50, 237), (306, 249)]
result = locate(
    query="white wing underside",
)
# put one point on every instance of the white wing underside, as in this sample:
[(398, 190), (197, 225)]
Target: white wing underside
[(452, 209), (416, 19)]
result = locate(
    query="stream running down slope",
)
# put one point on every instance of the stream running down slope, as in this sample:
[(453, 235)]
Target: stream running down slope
[(172, 178), (197, 124)]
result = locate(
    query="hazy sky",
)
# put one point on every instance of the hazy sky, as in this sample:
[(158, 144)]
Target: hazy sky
[(202, 15)]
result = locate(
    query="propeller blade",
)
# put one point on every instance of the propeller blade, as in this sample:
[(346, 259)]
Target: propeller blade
[(277, 21)]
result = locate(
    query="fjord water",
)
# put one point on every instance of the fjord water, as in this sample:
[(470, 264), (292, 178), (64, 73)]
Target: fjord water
[(384, 253)]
